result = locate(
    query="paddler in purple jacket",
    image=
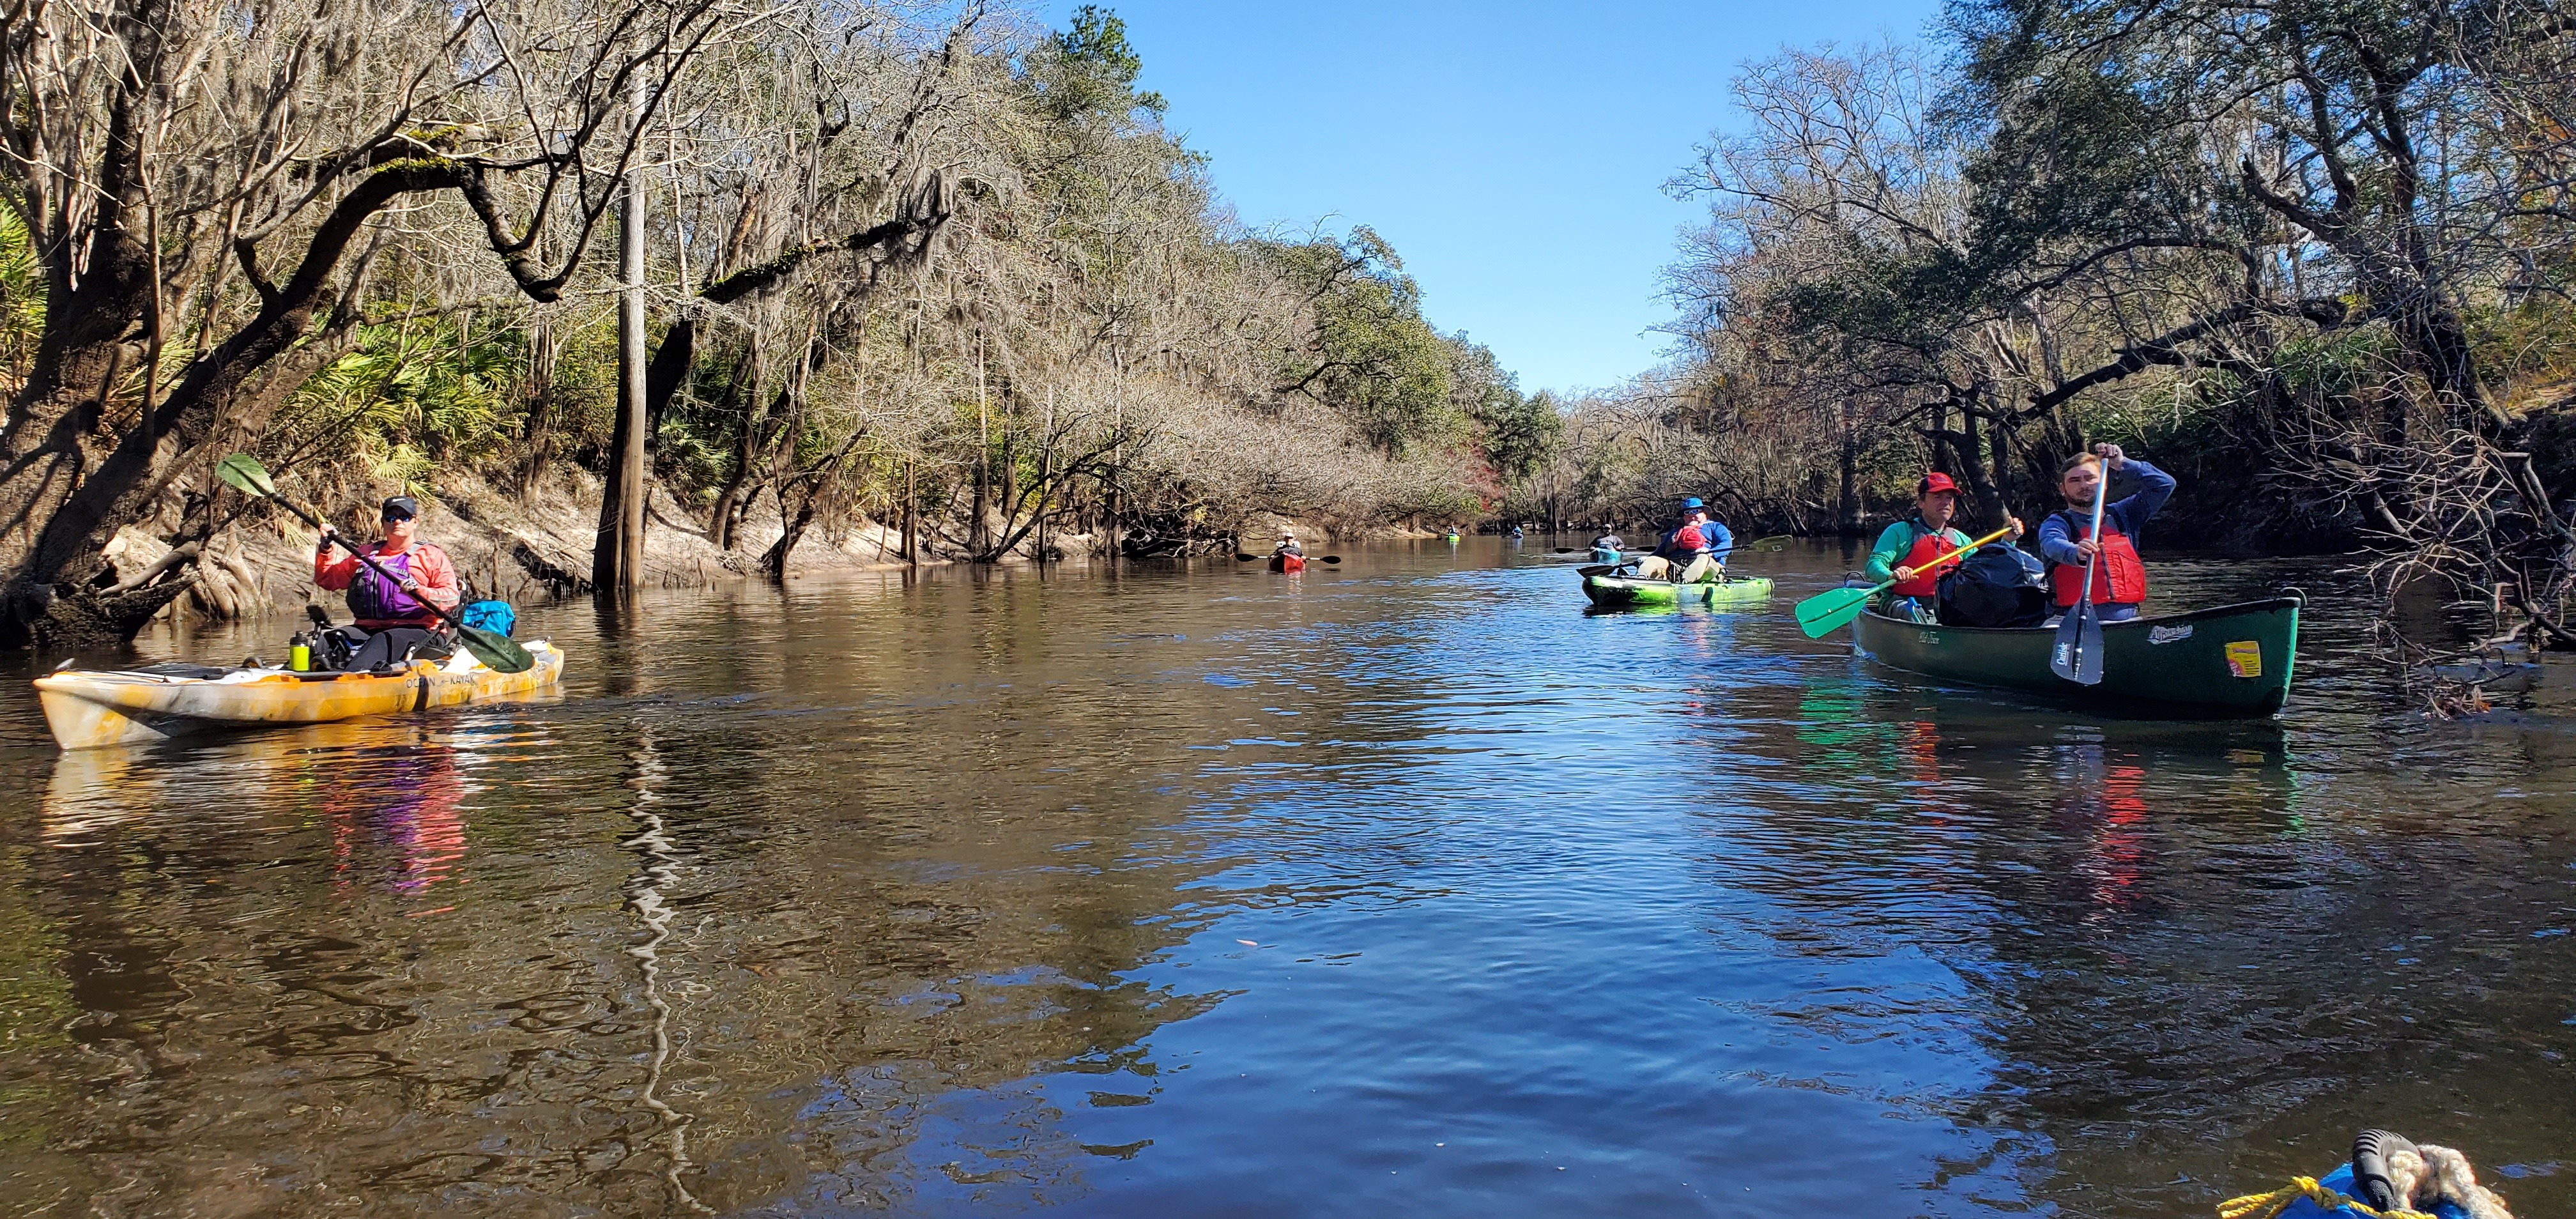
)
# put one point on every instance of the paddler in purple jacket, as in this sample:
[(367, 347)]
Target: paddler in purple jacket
[(392, 612)]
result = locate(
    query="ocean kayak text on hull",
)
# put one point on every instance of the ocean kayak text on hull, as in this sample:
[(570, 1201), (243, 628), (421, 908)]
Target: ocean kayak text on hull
[(87, 709), (2230, 661)]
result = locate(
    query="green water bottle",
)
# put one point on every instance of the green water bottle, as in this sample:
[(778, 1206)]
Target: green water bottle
[(299, 653)]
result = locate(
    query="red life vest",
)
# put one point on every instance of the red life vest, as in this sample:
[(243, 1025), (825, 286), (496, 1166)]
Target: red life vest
[(1927, 579), (2118, 577)]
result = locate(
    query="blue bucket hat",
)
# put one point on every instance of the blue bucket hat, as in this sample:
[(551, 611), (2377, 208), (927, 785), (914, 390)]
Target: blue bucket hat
[(1692, 502)]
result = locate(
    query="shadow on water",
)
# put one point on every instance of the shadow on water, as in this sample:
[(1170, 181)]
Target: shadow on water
[(1402, 887)]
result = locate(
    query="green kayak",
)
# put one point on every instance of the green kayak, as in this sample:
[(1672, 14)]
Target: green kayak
[(1608, 588), (2232, 661)]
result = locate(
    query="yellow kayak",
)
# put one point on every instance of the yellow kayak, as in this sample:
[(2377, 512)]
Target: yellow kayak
[(88, 709)]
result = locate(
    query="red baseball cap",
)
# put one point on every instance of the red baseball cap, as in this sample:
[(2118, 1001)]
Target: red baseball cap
[(1936, 481)]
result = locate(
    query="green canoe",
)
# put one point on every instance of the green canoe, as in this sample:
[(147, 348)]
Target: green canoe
[(2232, 661), (1607, 588)]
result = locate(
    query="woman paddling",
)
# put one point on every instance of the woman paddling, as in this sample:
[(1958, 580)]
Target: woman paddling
[(393, 613), (1906, 550), (2119, 578)]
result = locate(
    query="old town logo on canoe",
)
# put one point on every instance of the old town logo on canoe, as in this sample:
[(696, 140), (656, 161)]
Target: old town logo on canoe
[(2168, 634), (2245, 658)]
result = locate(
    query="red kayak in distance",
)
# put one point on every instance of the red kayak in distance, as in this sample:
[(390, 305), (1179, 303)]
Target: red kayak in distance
[(1289, 564)]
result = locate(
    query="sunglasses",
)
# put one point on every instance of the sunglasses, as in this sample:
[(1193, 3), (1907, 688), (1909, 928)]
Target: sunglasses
[(397, 516)]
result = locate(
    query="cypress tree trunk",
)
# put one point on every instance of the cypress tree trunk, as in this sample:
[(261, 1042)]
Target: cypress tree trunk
[(617, 557)]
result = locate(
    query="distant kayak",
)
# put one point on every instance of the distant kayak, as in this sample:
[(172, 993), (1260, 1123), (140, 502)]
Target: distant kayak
[(87, 709), (2230, 661), (1288, 563), (1608, 588)]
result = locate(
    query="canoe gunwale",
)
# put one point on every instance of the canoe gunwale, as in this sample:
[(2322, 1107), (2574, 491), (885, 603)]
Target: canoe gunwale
[(2015, 659), (2290, 601)]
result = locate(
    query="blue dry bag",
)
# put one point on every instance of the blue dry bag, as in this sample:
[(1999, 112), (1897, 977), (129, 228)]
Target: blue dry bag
[(494, 616)]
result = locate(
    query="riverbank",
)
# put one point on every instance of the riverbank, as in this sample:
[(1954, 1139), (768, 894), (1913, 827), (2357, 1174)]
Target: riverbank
[(518, 546), (533, 543)]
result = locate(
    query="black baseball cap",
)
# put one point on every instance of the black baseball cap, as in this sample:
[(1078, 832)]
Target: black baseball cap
[(402, 507)]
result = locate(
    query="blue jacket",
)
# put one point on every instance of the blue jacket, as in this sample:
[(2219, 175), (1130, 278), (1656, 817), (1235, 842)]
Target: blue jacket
[(1710, 539), (1721, 543), (2128, 515)]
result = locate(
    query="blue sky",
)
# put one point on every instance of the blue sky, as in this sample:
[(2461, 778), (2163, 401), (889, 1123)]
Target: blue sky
[(1513, 152)]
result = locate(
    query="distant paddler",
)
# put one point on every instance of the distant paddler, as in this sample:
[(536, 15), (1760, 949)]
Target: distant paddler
[(1288, 547), (1694, 551), (393, 606), (2119, 582), (1908, 549), (1606, 548)]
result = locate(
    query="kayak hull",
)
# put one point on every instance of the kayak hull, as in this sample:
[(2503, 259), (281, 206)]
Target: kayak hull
[(1609, 590), (1287, 564), (2233, 661), (90, 709)]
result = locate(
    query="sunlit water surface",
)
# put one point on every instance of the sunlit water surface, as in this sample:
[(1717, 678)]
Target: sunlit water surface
[(1404, 887)]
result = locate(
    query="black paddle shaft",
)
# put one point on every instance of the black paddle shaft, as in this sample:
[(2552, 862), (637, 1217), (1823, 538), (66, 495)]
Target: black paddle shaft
[(336, 540)]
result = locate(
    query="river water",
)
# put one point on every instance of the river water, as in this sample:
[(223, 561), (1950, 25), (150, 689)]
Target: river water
[(1404, 887)]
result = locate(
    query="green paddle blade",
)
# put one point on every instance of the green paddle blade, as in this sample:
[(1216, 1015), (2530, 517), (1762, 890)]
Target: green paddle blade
[(242, 473), (498, 652), (1831, 610), (1771, 545)]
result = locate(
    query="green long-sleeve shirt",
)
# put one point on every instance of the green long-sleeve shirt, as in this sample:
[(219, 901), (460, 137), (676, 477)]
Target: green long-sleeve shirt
[(1899, 538)]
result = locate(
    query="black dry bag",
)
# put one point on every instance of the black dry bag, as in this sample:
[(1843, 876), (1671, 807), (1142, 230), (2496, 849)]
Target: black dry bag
[(1997, 586)]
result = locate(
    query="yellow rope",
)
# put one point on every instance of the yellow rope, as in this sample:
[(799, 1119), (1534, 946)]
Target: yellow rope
[(2265, 1206)]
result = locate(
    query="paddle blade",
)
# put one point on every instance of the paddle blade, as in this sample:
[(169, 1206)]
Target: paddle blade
[(2077, 653), (1831, 610), (1771, 545), (1332, 558), (242, 473), (2088, 652), (499, 653)]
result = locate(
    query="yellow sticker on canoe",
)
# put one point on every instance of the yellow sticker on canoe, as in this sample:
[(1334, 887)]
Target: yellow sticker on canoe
[(2245, 658)]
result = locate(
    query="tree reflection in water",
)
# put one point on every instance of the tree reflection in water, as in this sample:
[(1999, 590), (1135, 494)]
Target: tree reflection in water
[(658, 865)]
